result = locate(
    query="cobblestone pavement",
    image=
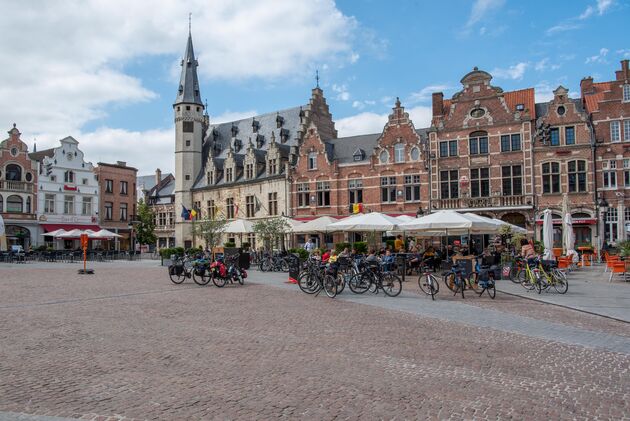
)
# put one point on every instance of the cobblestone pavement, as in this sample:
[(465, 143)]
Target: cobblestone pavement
[(127, 344)]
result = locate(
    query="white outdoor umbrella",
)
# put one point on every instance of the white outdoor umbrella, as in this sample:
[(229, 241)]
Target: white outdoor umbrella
[(239, 226), (405, 218), (321, 224), (374, 221), (55, 232), (515, 228), (569, 237), (548, 234), (103, 234), (292, 223), (75, 233), (448, 220)]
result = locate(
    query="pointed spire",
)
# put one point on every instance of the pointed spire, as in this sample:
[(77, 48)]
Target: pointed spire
[(35, 145), (317, 78), (188, 91)]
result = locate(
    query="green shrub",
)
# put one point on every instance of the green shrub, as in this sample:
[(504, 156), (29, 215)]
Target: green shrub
[(40, 248), (303, 254), (340, 246), (361, 246), (390, 243), (539, 247), (246, 245), (229, 244)]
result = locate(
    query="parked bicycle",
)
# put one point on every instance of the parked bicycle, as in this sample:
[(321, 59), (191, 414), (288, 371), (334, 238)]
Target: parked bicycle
[(428, 282), (373, 277), (270, 263), (314, 278), (181, 269)]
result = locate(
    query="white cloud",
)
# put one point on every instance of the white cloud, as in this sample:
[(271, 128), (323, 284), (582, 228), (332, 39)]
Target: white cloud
[(232, 116), (341, 91), (603, 5), (543, 92), (514, 72), (600, 8), (480, 9), (598, 58), (625, 53), (562, 27), (426, 93), (63, 66), (369, 122), (543, 65)]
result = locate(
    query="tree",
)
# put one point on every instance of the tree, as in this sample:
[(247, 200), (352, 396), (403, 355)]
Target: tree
[(270, 230), (145, 228), (210, 230)]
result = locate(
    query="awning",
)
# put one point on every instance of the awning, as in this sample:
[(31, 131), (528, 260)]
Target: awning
[(69, 227), (576, 221)]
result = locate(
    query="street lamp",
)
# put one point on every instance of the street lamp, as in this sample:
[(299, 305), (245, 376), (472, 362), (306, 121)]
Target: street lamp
[(602, 206)]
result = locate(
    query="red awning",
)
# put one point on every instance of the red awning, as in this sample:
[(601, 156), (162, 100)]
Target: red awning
[(577, 221), (69, 227)]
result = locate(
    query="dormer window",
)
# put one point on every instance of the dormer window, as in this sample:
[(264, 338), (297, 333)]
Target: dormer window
[(260, 141), (255, 125), (284, 135), (273, 167), (520, 107), (229, 175), (237, 145), (279, 121), (359, 155), (249, 171), (234, 130)]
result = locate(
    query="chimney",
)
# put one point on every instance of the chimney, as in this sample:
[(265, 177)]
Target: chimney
[(586, 86), (623, 74), (158, 176), (438, 104)]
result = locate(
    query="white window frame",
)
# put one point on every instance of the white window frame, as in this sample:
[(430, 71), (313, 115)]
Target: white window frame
[(626, 92), (49, 203), (399, 152), (68, 205), (626, 130), (615, 131), (312, 160), (86, 206)]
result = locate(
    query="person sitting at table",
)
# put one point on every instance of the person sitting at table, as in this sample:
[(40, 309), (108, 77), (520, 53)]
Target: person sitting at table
[(316, 255), (345, 253), (414, 260), (388, 261), (411, 244), (527, 251), (326, 256), (399, 244), (333, 257), (372, 257)]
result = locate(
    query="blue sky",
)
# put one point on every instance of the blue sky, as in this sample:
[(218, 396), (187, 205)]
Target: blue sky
[(107, 73)]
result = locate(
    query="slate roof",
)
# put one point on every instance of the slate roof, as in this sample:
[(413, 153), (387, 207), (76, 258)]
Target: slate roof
[(145, 182), (39, 155), (343, 148), (223, 136), (542, 108), (188, 91)]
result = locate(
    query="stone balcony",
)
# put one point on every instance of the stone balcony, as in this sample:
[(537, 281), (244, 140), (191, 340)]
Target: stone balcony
[(16, 186), (160, 228)]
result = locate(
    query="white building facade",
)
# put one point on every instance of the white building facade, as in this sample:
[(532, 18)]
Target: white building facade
[(68, 195)]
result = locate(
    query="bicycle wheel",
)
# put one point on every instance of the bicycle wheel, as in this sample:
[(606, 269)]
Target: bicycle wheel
[(427, 282), (515, 273), (473, 282), (391, 284), (359, 283), (308, 283), (218, 281), (200, 277), (538, 282), (341, 283), (284, 265), (175, 278), (560, 283), (330, 286), (449, 281), (492, 290), (526, 281), (264, 265)]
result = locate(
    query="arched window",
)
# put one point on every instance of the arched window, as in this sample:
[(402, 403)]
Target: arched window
[(14, 204), (13, 172), (68, 177), (478, 143), (399, 152)]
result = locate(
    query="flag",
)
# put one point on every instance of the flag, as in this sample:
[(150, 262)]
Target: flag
[(193, 214), (185, 213), (356, 208)]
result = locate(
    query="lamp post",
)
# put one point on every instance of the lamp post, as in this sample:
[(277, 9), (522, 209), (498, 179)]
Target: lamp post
[(602, 206)]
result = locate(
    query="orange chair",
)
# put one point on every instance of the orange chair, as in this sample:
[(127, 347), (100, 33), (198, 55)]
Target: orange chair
[(618, 267), (563, 262), (557, 252), (610, 261)]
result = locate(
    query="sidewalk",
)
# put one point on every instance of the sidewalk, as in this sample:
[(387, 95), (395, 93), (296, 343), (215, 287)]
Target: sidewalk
[(589, 290)]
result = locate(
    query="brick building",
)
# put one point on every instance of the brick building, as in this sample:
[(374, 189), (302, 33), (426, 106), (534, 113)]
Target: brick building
[(158, 191), (18, 191), (118, 197), (608, 104)]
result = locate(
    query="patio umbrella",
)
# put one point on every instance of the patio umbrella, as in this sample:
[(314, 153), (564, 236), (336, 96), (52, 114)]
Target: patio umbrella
[(321, 224), (515, 228), (75, 233), (374, 221), (55, 232), (239, 226), (451, 221), (548, 235), (102, 234), (405, 218), (569, 237)]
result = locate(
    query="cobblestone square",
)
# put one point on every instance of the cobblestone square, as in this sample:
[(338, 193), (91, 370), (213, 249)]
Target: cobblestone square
[(126, 343)]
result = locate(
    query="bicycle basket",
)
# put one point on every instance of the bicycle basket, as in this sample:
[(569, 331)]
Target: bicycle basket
[(176, 269)]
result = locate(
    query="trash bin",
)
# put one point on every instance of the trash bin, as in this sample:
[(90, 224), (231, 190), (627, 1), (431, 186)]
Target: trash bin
[(294, 267)]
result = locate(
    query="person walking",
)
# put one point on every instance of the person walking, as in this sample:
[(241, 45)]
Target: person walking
[(309, 246)]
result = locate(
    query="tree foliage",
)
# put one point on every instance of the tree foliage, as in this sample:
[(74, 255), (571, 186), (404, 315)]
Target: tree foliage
[(145, 228), (270, 230), (210, 231)]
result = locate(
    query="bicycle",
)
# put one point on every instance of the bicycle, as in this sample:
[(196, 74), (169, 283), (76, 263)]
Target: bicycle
[(456, 281), (553, 277), (180, 269), (273, 263), (428, 282), (373, 275), (314, 279), (515, 271), (530, 277)]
